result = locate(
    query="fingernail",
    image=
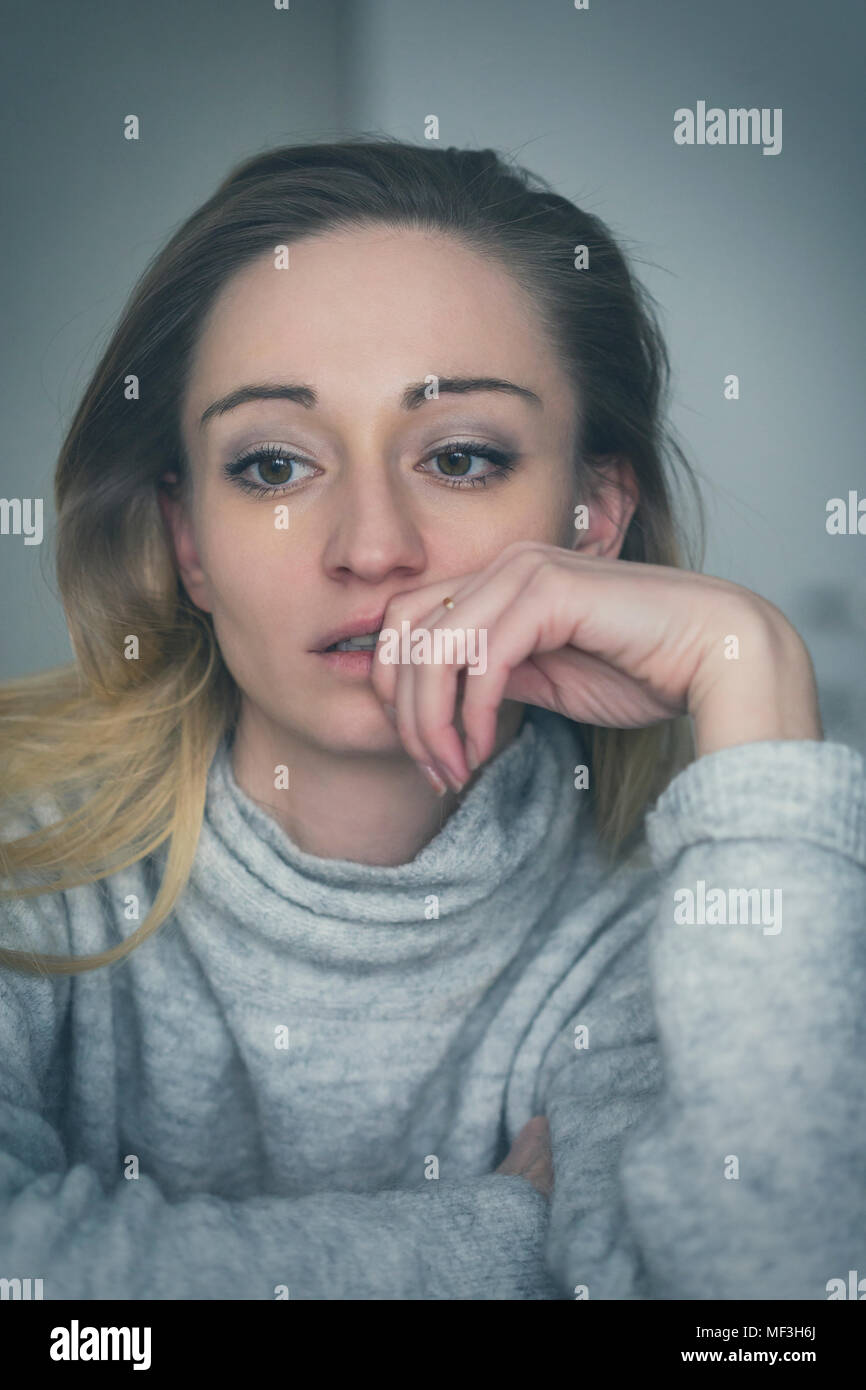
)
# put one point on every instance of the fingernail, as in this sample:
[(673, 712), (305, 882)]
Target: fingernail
[(434, 779), (456, 782)]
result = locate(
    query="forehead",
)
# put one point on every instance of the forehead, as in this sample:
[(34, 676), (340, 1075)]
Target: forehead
[(369, 307)]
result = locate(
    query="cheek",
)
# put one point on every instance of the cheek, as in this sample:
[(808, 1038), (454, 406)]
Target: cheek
[(257, 617), (557, 513), (238, 561), (255, 574), (540, 513)]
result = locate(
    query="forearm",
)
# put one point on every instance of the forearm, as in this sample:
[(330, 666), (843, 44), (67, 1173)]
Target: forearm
[(479, 1239), (749, 1182)]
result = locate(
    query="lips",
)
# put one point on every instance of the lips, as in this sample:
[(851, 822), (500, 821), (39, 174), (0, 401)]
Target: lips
[(367, 625)]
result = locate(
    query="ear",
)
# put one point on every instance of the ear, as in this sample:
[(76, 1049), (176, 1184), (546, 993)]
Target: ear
[(175, 514), (603, 518)]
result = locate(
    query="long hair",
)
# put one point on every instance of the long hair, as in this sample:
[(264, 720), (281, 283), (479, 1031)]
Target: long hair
[(119, 749)]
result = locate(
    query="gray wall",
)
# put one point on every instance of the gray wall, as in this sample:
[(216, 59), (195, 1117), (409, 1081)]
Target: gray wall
[(757, 261)]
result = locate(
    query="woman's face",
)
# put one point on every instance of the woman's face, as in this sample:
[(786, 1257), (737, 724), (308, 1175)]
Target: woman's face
[(360, 495)]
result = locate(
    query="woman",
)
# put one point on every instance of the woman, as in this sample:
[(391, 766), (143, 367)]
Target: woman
[(436, 1012)]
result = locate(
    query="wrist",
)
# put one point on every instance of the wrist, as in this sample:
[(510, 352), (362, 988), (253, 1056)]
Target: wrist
[(766, 691)]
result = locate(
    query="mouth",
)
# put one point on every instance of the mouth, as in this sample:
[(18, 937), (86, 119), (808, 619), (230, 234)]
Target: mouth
[(364, 642), (359, 634)]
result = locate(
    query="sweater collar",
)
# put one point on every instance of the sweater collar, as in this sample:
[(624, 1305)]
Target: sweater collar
[(505, 848)]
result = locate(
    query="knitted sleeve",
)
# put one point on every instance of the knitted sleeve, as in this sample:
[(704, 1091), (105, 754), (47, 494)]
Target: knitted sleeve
[(481, 1238), (708, 1124)]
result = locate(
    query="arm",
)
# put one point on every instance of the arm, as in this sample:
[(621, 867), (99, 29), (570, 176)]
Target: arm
[(744, 1175), (479, 1238)]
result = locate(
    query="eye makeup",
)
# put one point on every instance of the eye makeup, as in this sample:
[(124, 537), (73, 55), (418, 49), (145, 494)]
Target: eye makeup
[(277, 458)]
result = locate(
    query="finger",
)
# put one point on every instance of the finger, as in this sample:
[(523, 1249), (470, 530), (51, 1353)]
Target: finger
[(408, 606), (539, 620), (404, 707), (436, 682), (434, 688), (528, 1141), (509, 643), (412, 604), (542, 1180)]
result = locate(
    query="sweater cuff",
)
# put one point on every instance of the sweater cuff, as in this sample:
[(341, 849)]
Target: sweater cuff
[(505, 1241), (774, 789)]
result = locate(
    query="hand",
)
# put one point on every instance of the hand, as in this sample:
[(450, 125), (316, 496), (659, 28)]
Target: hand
[(530, 1156), (606, 642)]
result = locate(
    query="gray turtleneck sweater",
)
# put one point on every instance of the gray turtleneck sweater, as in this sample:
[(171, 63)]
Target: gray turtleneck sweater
[(302, 1085)]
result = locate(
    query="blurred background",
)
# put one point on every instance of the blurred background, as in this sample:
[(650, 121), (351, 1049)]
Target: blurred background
[(756, 261)]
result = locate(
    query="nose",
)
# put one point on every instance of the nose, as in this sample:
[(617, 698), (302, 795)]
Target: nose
[(372, 532)]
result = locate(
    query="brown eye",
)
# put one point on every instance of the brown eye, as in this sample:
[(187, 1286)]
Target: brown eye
[(268, 471), (275, 470), (456, 462)]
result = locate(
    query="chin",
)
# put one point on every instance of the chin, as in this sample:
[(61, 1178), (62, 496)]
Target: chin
[(353, 722)]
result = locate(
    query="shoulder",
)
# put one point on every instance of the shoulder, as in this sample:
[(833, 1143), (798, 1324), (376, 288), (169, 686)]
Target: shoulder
[(68, 921), (33, 922), (33, 1002)]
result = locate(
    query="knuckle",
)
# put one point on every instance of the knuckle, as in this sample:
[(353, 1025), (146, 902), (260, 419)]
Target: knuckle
[(395, 610), (543, 568), (524, 545)]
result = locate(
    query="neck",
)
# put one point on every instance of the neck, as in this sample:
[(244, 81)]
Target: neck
[(370, 808)]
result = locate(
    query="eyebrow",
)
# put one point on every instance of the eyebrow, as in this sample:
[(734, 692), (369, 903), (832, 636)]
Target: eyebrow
[(410, 399)]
